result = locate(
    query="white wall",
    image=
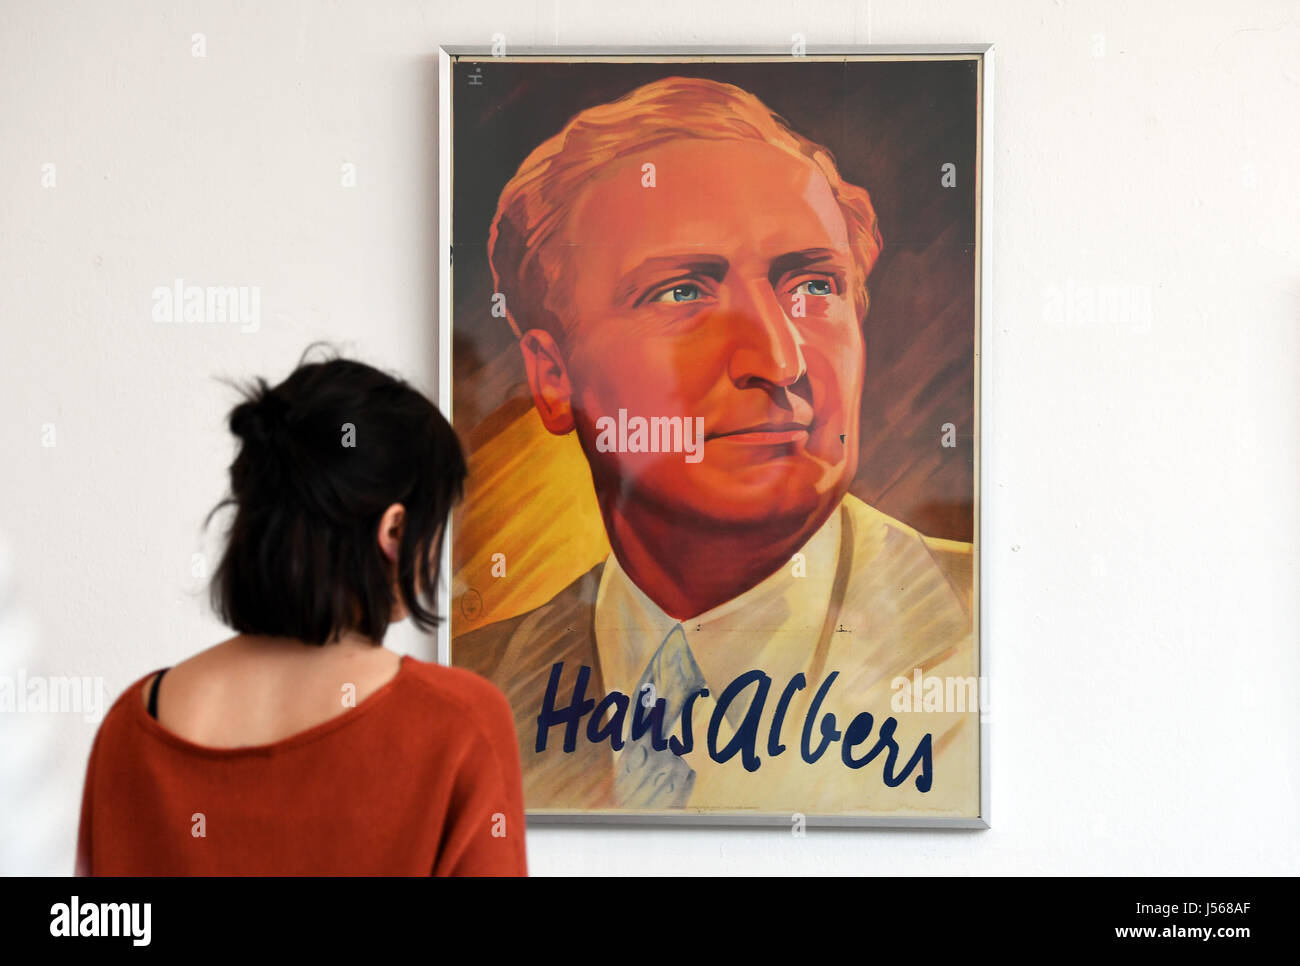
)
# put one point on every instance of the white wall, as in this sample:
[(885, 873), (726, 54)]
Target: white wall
[(1145, 603)]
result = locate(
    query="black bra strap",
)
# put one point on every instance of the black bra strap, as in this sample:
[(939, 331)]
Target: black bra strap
[(153, 694)]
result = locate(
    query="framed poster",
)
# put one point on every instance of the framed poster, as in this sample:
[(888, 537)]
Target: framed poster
[(712, 333)]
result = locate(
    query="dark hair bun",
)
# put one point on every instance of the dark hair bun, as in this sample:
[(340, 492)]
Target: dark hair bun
[(261, 418), (269, 462)]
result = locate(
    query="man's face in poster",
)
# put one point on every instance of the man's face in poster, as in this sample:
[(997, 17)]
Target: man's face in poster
[(723, 291)]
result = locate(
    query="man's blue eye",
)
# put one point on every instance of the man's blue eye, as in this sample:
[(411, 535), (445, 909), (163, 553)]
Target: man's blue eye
[(819, 282), (670, 295)]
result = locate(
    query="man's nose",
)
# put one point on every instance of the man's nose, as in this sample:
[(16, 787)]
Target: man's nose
[(767, 343)]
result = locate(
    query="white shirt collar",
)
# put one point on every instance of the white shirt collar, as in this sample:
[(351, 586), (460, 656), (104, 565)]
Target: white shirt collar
[(772, 626)]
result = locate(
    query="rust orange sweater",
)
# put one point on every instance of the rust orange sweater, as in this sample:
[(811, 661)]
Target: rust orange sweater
[(420, 778)]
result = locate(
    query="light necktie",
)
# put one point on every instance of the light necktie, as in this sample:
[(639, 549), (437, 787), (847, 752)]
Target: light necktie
[(646, 776)]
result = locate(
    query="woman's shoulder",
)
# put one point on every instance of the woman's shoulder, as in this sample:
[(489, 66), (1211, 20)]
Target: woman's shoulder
[(434, 690), (120, 713), (453, 681), (460, 687)]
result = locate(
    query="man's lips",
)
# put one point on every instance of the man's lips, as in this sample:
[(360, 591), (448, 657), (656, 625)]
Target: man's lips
[(771, 434)]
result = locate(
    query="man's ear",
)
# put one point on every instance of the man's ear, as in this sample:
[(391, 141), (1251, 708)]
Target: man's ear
[(391, 526), (548, 379)]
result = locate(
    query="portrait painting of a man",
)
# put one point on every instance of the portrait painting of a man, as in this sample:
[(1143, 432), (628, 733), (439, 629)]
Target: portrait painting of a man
[(662, 560)]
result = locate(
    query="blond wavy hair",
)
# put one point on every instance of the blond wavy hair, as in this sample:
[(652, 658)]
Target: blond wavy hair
[(535, 202)]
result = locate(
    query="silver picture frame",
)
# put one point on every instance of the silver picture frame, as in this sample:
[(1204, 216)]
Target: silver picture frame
[(984, 523)]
